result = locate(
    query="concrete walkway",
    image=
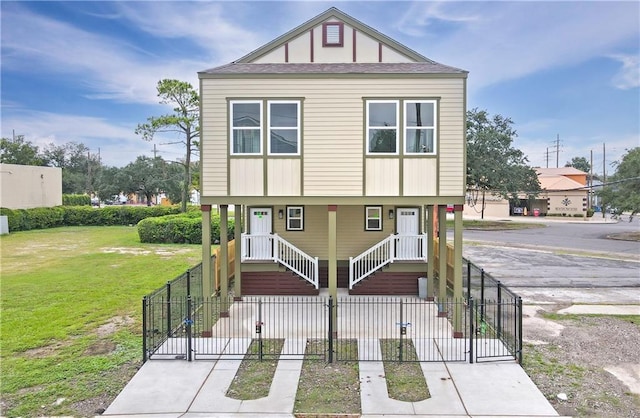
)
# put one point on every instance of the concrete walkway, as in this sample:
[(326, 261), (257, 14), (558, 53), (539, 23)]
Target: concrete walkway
[(197, 389)]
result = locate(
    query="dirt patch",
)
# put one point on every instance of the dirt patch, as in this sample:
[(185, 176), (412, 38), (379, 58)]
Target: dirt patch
[(578, 362), (164, 252), (100, 347), (113, 325), (47, 350)]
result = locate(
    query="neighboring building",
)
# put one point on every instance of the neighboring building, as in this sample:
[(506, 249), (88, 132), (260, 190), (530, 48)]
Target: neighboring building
[(331, 141), (28, 186), (564, 193)]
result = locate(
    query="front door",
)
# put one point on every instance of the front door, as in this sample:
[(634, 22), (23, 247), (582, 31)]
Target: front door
[(408, 230), (260, 247)]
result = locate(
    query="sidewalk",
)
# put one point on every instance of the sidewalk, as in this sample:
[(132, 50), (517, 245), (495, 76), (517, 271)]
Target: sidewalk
[(197, 389)]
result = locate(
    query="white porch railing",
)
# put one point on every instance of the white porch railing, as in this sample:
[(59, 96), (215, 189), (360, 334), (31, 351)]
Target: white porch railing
[(271, 247), (390, 249)]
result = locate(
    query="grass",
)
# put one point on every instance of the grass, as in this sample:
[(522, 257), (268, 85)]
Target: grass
[(254, 377), (71, 313), (495, 225), (405, 380), (329, 388)]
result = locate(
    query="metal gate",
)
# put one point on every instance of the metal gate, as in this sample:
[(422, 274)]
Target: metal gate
[(496, 330)]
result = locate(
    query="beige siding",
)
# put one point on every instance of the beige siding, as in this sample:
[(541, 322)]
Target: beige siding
[(420, 177), (214, 145), (383, 177), (247, 177), (352, 237), (283, 177), (333, 128)]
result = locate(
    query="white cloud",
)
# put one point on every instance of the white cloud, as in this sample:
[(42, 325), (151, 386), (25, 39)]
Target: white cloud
[(629, 75), (118, 144), (500, 41)]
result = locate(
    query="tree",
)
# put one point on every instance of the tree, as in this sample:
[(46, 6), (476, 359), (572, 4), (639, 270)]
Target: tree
[(19, 151), (79, 168), (493, 165), (108, 182), (622, 190), (580, 163), (149, 177), (185, 120)]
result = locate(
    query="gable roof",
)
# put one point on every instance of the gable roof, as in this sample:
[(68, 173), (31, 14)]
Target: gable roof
[(338, 14), (559, 183), (421, 64)]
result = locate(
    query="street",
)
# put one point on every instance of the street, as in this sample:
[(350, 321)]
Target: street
[(562, 263)]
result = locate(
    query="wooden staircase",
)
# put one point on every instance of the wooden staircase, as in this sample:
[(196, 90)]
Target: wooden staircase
[(388, 283), (276, 283)]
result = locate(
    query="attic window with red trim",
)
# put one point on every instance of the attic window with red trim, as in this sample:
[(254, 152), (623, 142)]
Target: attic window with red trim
[(333, 34)]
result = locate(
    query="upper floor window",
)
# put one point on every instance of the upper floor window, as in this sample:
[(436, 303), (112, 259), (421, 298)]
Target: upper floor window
[(246, 127), (284, 127), (333, 34), (419, 126), (382, 127)]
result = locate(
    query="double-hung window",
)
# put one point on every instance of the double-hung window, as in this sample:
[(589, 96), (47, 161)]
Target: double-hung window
[(373, 218), (419, 126), (246, 127), (382, 127), (295, 218), (284, 127)]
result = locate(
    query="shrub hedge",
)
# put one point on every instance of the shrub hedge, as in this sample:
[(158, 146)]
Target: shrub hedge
[(41, 218), (76, 200), (180, 229)]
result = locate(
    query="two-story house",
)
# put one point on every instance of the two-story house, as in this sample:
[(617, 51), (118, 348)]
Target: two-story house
[(338, 147)]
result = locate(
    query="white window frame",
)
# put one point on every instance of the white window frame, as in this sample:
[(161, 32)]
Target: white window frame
[(301, 218), (434, 128), (281, 128), (367, 218), (232, 129), (396, 129)]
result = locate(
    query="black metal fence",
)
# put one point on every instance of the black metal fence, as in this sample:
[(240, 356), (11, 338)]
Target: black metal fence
[(496, 316), (180, 323), (356, 328)]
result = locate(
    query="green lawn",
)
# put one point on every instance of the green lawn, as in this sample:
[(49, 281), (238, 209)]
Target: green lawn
[(71, 314)]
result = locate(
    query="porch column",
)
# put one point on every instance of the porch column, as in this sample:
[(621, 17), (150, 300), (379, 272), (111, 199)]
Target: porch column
[(333, 262), (206, 269), (458, 312), (224, 261), (442, 259), (431, 259), (237, 268)]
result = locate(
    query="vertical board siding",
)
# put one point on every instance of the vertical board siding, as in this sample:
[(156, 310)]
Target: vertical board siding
[(283, 177), (383, 177), (420, 177), (333, 128), (247, 177)]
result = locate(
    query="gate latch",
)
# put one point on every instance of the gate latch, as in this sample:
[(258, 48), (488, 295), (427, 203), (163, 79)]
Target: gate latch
[(259, 327)]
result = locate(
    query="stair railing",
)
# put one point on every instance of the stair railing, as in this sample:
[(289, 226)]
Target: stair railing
[(272, 247)]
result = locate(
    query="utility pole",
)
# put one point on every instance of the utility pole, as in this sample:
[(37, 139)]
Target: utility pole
[(591, 182), (155, 151), (604, 174), (546, 154), (89, 172), (557, 150)]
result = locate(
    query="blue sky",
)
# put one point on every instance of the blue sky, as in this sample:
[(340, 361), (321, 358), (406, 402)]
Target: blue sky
[(87, 71)]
